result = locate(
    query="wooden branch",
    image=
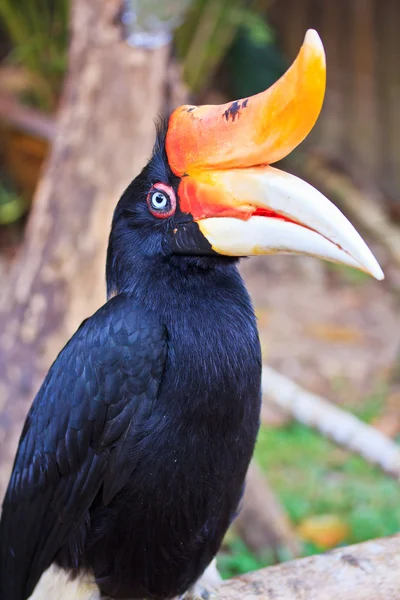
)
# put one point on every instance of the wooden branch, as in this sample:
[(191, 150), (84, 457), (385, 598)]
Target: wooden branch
[(340, 426), (105, 133), (368, 571), (262, 523), (29, 120)]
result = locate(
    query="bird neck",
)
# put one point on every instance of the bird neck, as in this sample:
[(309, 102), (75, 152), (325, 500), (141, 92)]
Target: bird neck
[(212, 332), (166, 284)]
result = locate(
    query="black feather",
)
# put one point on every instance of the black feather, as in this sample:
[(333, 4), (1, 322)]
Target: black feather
[(61, 465), (132, 460)]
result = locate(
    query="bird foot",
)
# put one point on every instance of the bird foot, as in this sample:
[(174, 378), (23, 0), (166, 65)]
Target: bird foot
[(205, 587), (199, 592)]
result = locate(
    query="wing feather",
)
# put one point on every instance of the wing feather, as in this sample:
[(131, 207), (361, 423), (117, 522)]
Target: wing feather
[(78, 437)]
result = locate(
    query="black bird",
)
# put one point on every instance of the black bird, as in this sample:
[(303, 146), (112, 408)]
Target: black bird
[(132, 460)]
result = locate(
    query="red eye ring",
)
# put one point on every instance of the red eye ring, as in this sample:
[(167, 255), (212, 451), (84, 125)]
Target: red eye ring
[(161, 200)]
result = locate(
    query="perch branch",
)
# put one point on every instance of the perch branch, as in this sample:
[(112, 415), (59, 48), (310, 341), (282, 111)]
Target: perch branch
[(368, 571)]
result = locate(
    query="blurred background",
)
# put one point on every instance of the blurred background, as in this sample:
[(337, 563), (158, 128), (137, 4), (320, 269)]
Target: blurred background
[(81, 84)]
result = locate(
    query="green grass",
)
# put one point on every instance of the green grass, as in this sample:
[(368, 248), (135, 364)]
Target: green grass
[(312, 476), (237, 559), (373, 405)]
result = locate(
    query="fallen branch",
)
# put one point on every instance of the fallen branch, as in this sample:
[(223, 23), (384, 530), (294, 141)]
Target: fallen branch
[(262, 522), (368, 571), (340, 426), (359, 205)]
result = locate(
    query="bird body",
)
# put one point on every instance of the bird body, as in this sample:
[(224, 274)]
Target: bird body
[(132, 460), (178, 386)]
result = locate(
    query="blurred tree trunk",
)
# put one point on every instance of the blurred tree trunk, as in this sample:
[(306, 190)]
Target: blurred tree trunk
[(105, 131)]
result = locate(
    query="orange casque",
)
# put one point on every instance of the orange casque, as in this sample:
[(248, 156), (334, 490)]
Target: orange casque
[(259, 130)]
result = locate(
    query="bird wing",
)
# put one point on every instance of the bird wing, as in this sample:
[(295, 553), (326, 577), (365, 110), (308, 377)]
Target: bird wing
[(79, 437)]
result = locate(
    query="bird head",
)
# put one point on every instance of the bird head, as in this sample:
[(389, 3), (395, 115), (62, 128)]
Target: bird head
[(210, 189)]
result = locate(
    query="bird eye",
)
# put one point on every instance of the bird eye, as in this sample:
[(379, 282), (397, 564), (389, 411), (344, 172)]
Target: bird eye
[(161, 200)]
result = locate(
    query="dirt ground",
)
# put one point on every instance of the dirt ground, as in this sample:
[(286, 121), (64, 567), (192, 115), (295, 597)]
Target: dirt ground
[(331, 330)]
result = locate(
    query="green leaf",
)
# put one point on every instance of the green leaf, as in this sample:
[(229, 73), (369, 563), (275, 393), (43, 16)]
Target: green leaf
[(38, 32)]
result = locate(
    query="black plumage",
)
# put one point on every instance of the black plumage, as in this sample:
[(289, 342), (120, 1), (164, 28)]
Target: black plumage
[(132, 460)]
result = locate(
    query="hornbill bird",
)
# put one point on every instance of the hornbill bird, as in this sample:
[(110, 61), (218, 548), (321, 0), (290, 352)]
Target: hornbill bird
[(133, 457)]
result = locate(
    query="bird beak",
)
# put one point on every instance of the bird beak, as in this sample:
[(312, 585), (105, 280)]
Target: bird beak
[(241, 204)]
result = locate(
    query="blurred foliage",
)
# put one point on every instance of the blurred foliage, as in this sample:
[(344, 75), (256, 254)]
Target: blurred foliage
[(253, 60), (237, 559), (215, 28), (12, 205), (313, 476), (38, 33), (212, 31), (205, 36)]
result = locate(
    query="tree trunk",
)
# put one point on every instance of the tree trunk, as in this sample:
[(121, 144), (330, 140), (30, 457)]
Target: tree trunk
[(105, 131)]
